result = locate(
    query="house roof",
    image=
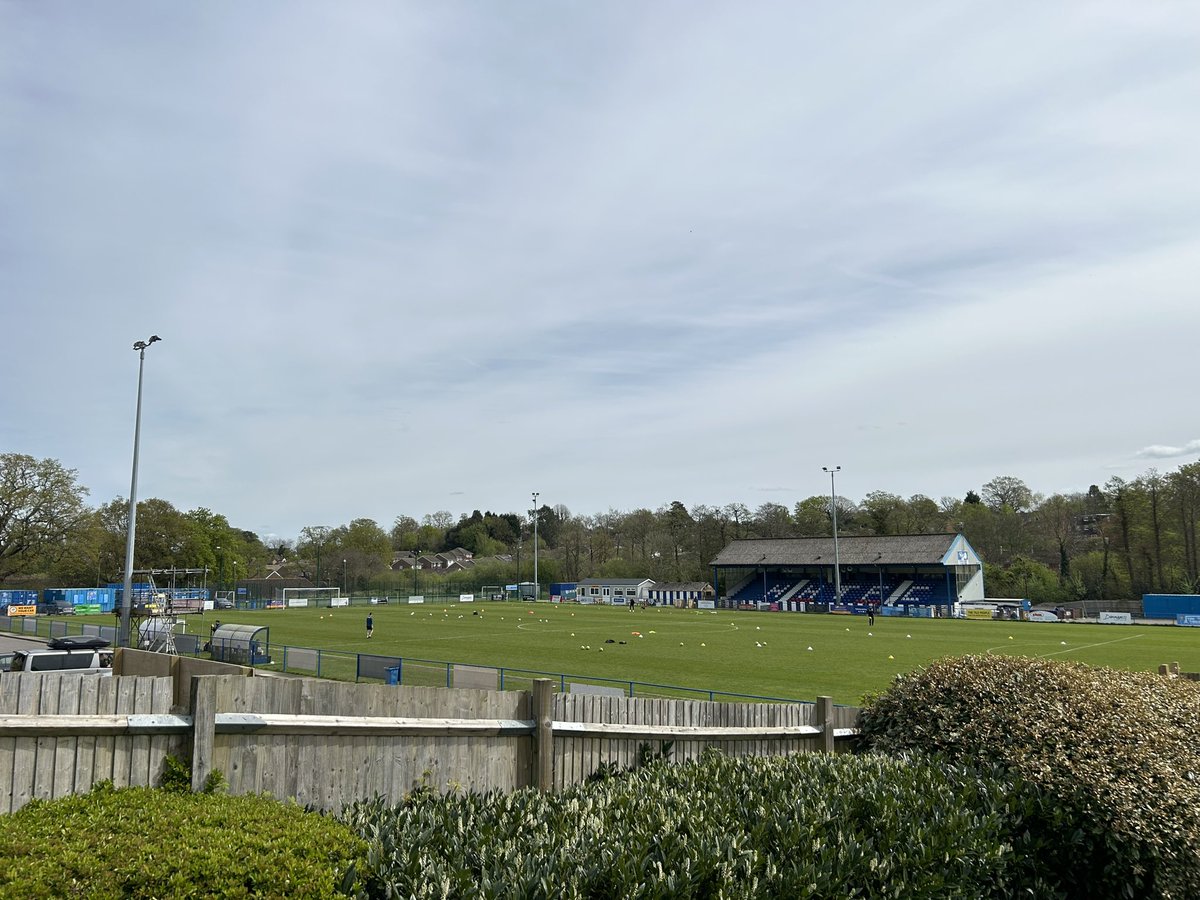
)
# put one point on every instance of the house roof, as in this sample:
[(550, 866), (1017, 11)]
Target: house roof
[(624, 582), (887, 550), (683, 586)]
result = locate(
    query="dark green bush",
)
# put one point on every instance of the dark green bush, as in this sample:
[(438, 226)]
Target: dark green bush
[(793, 827), (141, 842), (1117, 751), (177, 777)]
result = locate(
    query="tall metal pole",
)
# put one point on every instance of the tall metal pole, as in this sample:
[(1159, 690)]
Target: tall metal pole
[(837, 562), (127, 585), (536, 586)]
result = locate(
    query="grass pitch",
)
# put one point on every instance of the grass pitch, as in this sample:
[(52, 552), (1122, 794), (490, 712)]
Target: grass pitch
[(783, 655)]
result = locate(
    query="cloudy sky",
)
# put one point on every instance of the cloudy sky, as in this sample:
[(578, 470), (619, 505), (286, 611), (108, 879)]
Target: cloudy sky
[(407, 257)]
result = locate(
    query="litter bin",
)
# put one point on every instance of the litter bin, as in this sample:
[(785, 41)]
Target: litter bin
[(393, 675)]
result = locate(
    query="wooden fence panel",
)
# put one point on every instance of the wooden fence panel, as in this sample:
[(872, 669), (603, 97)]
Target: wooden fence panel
[(689, 726), (66, 747), (9, 688), (85, 745), (330, 769), (328, 744), (65, 761)]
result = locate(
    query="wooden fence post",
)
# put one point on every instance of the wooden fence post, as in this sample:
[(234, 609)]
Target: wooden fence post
[(543, 733), (204, 724), (825, 720)]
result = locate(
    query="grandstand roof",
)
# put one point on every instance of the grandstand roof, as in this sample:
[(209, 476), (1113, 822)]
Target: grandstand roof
[(888, 550)]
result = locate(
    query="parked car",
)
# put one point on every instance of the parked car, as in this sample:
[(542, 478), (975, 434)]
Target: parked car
[(222, 603), (76, 654), (55, 608)]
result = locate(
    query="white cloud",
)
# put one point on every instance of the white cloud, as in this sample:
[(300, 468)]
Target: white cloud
[(415, 258), (1161, 451)]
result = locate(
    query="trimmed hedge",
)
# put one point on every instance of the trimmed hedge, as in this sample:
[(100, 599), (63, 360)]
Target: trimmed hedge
[(142, 842), (1118, 751), (809, 825)]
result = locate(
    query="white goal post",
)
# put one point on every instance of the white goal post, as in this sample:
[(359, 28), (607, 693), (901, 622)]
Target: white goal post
[(308, 596)]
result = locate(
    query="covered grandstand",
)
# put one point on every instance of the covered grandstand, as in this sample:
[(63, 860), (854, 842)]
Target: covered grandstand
[(911, 574)]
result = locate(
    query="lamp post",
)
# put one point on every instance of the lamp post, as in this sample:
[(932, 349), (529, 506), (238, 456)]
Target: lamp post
[(344, 577), (127, 592), (536, 586), (837, 562)]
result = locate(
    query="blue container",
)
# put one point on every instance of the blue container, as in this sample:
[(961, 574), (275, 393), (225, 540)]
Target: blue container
[(90, 596), (18, 598), (55, 595), (1168, 606)]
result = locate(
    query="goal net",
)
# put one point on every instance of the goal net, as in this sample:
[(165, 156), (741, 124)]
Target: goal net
[(292, 597)]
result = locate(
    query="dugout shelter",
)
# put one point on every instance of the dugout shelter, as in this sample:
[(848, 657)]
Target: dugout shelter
[(246, 645), (913, 574)]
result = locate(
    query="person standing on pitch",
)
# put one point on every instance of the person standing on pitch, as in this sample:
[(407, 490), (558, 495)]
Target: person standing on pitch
[(370, 625)]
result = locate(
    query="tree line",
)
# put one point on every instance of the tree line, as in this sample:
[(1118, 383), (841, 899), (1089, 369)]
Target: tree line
[(1113, 541)]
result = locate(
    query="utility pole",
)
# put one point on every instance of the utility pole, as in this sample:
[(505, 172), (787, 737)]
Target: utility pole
[(837, 563), (127, 592), (536, 586)]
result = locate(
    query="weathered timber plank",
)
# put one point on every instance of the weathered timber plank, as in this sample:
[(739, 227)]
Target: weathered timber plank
[(274, 723), (744, 734), (9, 688), (44, 746)]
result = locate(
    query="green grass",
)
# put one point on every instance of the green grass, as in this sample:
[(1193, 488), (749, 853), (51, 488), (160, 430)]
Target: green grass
[(699, 649)]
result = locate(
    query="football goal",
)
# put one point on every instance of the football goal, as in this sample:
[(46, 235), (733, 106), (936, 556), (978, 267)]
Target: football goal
[(299, 596)]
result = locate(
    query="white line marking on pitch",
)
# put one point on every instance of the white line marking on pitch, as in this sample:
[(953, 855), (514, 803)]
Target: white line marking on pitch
[(1068, 650), (1089, 646)]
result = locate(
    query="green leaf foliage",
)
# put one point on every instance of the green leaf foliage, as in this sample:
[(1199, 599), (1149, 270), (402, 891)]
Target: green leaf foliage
[(1117, 751), (143, 843), (804, 826)]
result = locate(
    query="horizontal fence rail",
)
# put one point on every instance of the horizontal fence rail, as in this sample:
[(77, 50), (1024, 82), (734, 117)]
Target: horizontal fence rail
[(328, 744), (345, 665)]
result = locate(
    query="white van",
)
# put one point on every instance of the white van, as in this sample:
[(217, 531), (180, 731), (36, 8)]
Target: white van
[(79, 655)]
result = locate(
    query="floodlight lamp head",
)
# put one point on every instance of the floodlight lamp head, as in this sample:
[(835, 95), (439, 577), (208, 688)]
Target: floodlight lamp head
[(153, 338), (139, 345)]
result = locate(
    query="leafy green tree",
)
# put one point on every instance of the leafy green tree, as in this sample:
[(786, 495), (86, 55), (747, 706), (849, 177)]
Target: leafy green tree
[(884, 513), (41, 504), (772, 520), (710, 528), (1058, 518), (639, 525), (1007, 491), (313, 544), (1029, 579), (550, 520), (738, 514), (87, 557), (404, 533), (812, 517), (1184, 499), (365, 550)]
